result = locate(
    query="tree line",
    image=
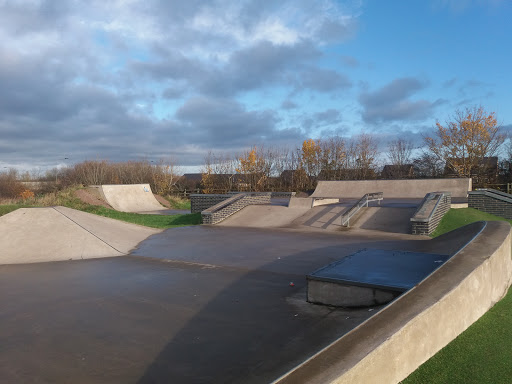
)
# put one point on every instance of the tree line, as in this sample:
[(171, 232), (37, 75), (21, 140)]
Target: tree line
[(464, 146)]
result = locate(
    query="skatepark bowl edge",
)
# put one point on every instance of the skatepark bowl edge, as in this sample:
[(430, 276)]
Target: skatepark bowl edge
[(210, 304)]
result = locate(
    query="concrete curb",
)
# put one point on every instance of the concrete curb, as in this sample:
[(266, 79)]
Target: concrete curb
[(393, 343)]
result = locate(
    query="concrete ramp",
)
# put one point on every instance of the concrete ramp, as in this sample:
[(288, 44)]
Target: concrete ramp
[(387, 219), (417, 188), (130, 197), (397, 220), (264, 216), (31, 235)]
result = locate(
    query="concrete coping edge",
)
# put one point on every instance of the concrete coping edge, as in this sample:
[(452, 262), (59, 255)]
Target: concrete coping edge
[(382, 349)]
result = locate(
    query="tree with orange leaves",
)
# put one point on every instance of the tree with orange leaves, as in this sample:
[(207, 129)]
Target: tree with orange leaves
[(464, 142), (311, 153), (252, 166)]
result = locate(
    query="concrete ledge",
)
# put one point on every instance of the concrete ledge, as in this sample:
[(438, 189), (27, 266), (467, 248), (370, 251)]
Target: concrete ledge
[(318, 202), (345, 295), (430, 212), (301, 202), (397, 340)]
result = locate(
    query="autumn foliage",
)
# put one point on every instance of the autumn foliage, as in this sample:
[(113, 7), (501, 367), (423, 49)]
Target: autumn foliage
[(27, 194), (252, 167), (464, 141)]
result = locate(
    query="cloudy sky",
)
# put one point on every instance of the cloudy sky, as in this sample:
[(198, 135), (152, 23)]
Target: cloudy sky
[(132, 79)]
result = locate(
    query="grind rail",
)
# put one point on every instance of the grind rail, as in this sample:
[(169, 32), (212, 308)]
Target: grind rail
[(362, 202)]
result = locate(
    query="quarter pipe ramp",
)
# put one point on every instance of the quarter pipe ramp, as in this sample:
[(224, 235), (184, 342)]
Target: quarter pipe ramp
[(416, 188), (130, 197)]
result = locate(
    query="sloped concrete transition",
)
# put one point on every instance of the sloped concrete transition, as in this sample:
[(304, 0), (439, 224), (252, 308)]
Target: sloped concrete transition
[(30, 235), (130, 197)]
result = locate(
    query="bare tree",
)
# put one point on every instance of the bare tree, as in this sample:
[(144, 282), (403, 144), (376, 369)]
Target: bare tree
[(428, 165), (366, 152), (399, 155)]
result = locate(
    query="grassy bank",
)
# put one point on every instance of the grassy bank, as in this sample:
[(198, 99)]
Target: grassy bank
[(482, 353), (456, 218), (154, 221), (68, 199)]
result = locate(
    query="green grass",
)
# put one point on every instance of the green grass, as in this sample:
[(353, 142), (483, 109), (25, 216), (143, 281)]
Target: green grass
[(67, 198), (456, 218), (178, 203), (483, 353), (154, 221), (5, 209)]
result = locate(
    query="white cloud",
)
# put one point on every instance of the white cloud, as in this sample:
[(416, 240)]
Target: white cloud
[(96, 78)]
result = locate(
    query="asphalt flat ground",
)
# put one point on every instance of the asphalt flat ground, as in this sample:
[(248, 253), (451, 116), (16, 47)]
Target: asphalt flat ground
[(190, 305)]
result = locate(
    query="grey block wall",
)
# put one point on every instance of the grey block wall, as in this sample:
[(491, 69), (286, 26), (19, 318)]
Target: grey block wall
[(199, 203), (491, 201), (226, 208), (431, 211)]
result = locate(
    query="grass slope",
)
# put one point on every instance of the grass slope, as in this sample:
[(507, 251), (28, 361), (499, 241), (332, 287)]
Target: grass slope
[(67, 198), (456, 218), (481, 354), (154, 221)]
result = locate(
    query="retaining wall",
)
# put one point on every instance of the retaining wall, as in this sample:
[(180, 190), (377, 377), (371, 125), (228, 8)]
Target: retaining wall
[(491, 201), (226, 208), (201, 202), (415, 188), (432, 209), (396, 341)]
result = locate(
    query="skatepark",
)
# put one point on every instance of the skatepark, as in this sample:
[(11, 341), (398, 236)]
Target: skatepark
[(91, 299)]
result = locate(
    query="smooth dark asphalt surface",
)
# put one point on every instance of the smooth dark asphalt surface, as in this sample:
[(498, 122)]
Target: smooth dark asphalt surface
[(191, 305)]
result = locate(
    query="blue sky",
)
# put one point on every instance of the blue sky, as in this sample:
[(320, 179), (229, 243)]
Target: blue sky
[(132, 79)]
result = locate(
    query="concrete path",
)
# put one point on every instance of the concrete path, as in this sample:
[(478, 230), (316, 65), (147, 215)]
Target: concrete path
[(30, 235)]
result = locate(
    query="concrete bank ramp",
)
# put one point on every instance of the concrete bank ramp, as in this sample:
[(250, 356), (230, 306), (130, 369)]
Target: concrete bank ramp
[(130, 197), (264, 216), (387, 219), (30, 235), (415, 188)]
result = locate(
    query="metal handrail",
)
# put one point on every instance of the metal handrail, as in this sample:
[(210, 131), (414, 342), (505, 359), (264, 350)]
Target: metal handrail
[(363, 201)]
